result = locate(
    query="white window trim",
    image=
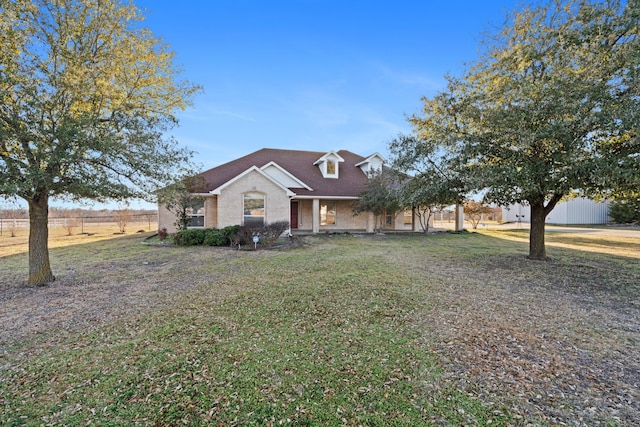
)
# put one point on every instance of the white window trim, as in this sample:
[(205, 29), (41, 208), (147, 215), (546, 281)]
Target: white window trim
[(264, 206), (198, 215)]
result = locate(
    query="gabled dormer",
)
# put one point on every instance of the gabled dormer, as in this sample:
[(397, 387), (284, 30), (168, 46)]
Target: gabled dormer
[(329, 164), (372, 164)]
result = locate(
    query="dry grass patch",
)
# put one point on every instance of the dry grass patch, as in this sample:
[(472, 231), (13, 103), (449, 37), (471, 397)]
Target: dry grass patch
[(449, 329), (620, 245), (60, 237)]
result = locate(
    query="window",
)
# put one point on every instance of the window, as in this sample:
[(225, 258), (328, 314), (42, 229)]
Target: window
[(408, 216), (388, 219), (331, 167), (253, 209), (327, 213), (196, 214)]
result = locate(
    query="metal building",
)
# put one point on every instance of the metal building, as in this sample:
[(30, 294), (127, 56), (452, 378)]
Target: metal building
[(580, 210)]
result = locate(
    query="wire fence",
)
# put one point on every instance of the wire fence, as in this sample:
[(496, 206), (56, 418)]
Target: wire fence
[(86, 224)]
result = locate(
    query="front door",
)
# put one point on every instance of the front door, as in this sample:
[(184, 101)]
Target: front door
[(294, 215)]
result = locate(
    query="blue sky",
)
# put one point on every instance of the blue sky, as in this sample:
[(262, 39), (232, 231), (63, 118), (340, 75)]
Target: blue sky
[(313, 74)]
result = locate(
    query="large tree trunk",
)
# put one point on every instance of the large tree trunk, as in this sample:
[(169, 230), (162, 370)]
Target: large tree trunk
[(537, 248), (39, 267), (539, 212), (421, 212)]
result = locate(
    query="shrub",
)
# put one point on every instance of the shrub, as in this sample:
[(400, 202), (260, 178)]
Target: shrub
[(189, 237), (219, 237), (270, 233), (215, 237), (625, 211), (244, 235), (229, 231), (162, 234)]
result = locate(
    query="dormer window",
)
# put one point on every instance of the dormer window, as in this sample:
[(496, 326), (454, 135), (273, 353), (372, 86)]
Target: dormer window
[(372, 164), (329, 164)]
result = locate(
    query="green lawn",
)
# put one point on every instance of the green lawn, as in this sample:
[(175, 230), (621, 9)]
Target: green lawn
[(448, 329)]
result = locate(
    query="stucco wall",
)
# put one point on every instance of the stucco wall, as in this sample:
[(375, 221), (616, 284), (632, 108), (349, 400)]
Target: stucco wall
[(231, 198)]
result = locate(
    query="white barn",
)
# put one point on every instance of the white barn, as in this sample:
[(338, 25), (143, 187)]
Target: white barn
[(580, 210)]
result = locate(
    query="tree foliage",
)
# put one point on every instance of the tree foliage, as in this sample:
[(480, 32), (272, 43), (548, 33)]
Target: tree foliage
[(86, 95), (625, 210), (550, 109), (183, 198), (380, 197), (429, 184), (475, 211)]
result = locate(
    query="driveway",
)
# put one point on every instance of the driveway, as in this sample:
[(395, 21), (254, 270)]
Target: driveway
[(630, 231), (604, 230)]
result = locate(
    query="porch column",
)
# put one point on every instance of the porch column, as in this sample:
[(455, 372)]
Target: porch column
[(459, 217), (371, 222), (315, 211)]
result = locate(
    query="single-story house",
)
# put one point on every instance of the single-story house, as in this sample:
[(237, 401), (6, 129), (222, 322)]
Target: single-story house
[(580, 210), (314, 191)]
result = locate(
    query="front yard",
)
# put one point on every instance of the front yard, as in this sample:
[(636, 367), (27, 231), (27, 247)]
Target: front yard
[(447, 329)]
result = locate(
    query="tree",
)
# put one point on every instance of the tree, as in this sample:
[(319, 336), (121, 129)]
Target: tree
[(71, 220), (428, 182), (625, 210), (380, 197), (183, 198), (86, 95), (122, 217), (474, 211), (550, 110)]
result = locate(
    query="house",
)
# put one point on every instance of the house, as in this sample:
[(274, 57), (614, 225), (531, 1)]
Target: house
[(580, 210), (314, 191)]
